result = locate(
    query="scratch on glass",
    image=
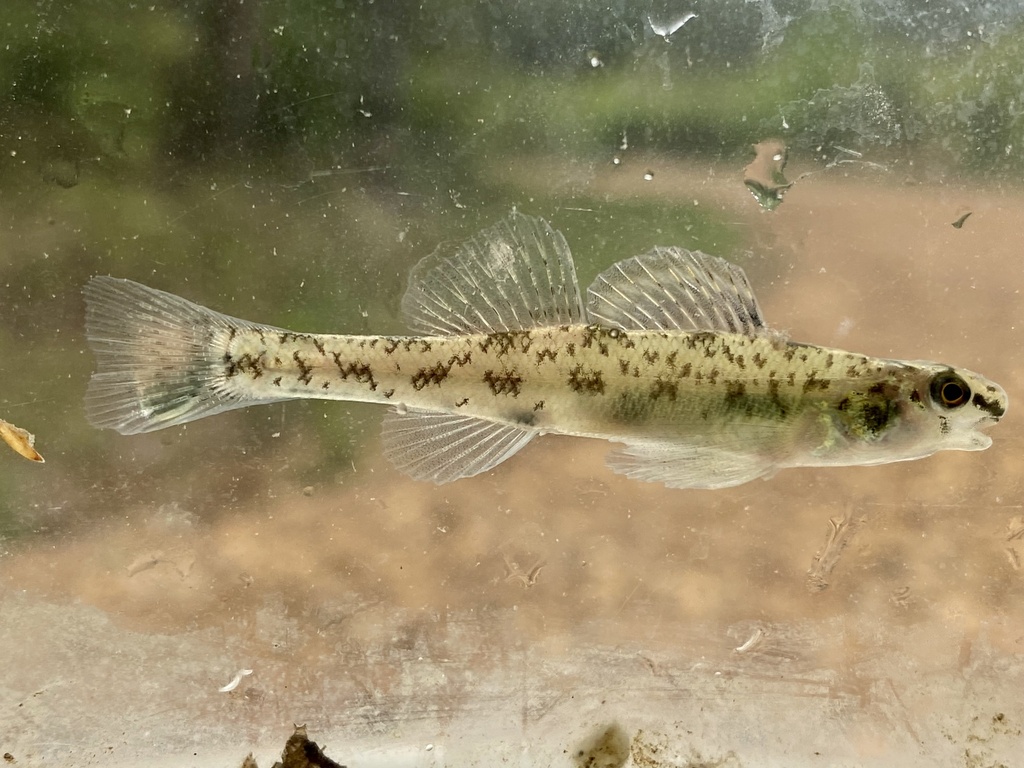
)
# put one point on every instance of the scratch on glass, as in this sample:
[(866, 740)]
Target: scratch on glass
[(514, 572), (840, 531)]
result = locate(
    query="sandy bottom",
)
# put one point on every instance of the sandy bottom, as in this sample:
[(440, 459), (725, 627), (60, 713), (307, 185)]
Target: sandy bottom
[(552, 613)]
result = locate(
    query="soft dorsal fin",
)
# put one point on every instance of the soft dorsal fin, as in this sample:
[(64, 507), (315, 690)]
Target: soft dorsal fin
[(516, 275), (675, 289)]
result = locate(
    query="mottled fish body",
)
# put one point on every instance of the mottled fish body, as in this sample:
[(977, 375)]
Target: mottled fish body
[(669, 356)]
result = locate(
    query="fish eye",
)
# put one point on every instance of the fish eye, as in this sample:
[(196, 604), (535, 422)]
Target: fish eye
[(949, 390)]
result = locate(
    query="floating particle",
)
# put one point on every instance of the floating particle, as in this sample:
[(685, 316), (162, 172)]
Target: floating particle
[(753, 640), (20, 440), (959, 223), (235, 680)]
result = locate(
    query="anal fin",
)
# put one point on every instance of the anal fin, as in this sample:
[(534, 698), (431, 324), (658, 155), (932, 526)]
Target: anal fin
[(442, 447), (688, 466)]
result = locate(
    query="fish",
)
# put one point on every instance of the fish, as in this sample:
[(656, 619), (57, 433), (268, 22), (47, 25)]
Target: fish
[(667, 355)]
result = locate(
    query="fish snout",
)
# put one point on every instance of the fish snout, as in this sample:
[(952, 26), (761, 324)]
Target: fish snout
[(991, 400)]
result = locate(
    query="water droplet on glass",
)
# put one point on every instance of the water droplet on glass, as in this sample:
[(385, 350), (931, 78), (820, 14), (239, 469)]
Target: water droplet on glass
[(401, 409), (764, 176), (667, 28)]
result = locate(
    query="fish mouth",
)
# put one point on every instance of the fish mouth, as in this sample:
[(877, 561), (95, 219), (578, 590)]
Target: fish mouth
[(994, 406)]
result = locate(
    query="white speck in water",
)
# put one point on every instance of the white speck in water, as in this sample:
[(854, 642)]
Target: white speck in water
[(235, 681), (596, 62), (785, 124), (624, 144), (649, 176), (401, 409), (616, 160), (361, 111), (754, 638)]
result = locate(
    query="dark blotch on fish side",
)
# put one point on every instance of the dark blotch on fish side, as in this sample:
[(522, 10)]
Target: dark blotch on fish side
[(305, 370), (734, 393), (663, 388), (361, 372), (525, 418), (868, 415), (505, 341), (504, 382), (739, 401), (812, 382), (587, 381), (632, 407)]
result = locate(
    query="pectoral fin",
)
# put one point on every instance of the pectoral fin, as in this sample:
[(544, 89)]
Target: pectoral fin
[(442, 447), (688, 466)]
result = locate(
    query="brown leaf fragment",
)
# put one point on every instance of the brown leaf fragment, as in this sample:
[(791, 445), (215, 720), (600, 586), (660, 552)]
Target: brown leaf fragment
[(20, 440), (959, 223)]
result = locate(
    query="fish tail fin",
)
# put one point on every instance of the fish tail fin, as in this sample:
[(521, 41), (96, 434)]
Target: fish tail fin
[(159, 358)]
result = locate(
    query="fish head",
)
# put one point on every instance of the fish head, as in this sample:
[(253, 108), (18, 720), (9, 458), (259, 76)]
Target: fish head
[(949, 409), (915, 410)]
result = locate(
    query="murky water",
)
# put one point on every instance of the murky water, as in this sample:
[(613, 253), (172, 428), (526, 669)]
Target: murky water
[(548, 612)]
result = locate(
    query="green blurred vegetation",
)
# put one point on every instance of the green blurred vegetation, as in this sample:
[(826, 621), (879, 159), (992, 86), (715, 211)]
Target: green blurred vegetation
[(285, 85), (245, 153)]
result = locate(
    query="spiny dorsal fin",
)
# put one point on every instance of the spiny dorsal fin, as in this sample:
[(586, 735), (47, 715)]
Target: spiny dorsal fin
[(675, 289), (514, 276)]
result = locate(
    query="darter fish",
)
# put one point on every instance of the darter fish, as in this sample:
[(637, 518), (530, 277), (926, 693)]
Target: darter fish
[(667, 355)]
